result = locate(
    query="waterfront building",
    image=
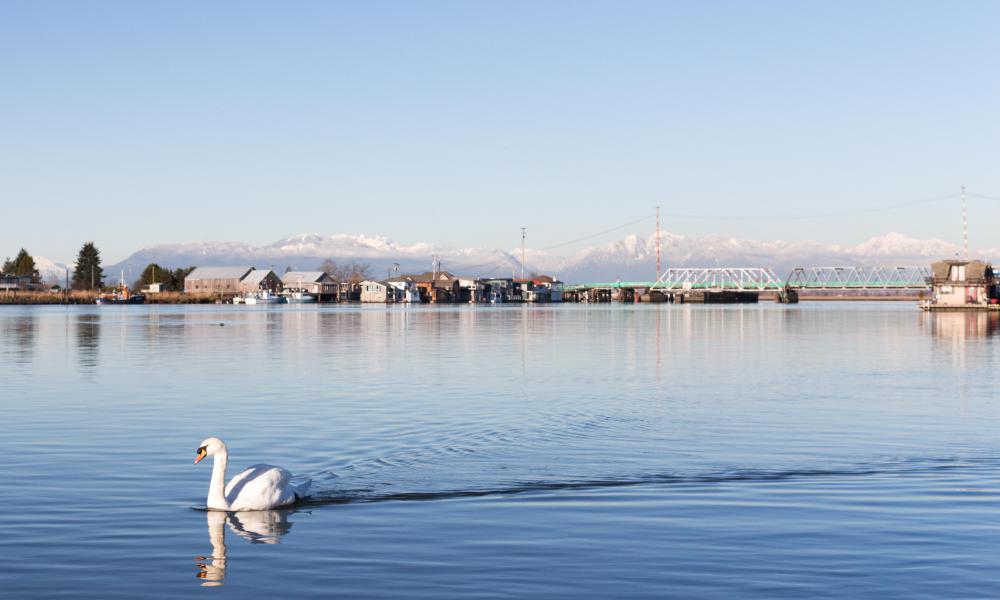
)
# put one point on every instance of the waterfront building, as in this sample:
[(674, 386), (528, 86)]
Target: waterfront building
[(260, 280), (963, 284), (154, 288), (19, 283), (316, 283), (434, 286), (407, 290), (499, 290), (380, 292), (216, 280)]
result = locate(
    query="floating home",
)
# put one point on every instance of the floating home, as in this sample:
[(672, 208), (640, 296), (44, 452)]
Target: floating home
[(317, 283), (963, 285)]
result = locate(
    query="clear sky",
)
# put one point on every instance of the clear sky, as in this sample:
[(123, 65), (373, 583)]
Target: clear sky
[(454, 123)]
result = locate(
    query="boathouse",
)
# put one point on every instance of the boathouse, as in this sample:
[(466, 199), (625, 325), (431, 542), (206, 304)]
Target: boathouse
[(216, 280), (962, 284), (260, 280)]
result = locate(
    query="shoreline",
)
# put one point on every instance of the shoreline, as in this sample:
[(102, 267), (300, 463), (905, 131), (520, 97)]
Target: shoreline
[(87, 298)]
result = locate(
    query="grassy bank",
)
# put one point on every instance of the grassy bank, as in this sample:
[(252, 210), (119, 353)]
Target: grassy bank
[(87, 297)]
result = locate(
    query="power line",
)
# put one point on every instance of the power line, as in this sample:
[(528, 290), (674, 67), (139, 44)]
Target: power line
[(802, 217), (598, 234)]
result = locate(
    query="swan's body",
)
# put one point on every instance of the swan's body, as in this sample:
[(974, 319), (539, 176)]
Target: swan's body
[(260, 487)]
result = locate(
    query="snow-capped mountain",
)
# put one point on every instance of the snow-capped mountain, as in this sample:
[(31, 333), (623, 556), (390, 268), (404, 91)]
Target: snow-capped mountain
[(52, 271), (632, 257)]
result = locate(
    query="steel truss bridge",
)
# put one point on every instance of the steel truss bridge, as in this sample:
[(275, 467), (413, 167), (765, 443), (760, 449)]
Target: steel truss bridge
[(739, 279), (860, 278), (758, 279)]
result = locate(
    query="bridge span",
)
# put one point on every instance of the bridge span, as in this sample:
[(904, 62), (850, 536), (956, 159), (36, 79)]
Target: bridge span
[(745, 284)]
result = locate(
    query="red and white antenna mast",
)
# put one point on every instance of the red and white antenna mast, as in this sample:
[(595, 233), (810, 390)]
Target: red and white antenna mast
[(657, 243), (965, 228)]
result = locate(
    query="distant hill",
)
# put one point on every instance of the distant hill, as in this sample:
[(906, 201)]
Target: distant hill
[(632, 257)]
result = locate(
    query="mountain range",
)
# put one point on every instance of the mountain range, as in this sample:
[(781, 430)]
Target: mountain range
[(632, 257)]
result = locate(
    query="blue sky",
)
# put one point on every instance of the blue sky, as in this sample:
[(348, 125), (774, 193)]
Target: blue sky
[(137, 123)]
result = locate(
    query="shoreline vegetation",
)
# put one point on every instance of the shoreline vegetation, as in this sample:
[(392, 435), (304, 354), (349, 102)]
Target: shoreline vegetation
[(25, 297)]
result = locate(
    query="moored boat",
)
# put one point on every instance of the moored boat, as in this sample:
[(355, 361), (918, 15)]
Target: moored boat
[(300, 297), (121, 295), (264, 297)]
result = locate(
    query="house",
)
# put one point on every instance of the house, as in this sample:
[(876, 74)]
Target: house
[(260, 280), (317, 283), (350, 289), (215, 280), (407, 290), (380, 292), (962, 284), (434, 286), (11, 283), (499, 290), (549, 287)]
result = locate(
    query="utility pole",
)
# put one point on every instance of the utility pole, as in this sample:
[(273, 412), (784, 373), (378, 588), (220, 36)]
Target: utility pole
[(524, 233), (965, 228), (657, 243)]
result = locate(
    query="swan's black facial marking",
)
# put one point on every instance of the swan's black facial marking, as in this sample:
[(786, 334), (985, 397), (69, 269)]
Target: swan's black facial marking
[(200, 450)]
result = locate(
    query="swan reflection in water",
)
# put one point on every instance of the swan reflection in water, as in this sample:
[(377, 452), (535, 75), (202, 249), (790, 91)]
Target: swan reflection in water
[(256, 527)]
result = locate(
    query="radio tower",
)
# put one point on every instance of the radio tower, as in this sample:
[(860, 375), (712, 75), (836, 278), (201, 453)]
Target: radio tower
[(524, 233), (965, 228), (657, 243)]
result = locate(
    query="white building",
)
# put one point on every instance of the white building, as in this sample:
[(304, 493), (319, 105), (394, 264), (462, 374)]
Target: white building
[(406, 291), (962, 284)]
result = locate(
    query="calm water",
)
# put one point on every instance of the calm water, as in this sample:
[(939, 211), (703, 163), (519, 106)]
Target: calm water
[(826, 450)]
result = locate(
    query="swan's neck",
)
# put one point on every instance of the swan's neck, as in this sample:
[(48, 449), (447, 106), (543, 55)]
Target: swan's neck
[(217, 488)]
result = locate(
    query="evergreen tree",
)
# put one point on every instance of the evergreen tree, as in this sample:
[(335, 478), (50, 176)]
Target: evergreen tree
[(177, 278), (154, 273), (8, 266), (23, 265), (88, 274)]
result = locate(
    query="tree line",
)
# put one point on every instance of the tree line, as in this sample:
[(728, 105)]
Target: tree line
[(88, 273)]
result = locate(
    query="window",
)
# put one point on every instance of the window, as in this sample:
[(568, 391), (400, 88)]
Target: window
[(957, 273)]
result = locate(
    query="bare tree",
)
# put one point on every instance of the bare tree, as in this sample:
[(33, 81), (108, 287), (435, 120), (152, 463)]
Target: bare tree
[(349, 271)]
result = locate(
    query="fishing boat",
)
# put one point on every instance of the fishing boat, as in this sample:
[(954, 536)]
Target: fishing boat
[(300, 297), (121, 295), (263, 297)]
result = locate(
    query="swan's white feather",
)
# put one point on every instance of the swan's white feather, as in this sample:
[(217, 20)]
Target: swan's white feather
[(261, 487)]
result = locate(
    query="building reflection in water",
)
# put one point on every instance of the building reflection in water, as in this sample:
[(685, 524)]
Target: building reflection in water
[(88, 341), (963, 325), (256, 527)]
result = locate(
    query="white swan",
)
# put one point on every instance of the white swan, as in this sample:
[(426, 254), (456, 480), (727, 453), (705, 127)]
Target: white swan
[(260, 487)]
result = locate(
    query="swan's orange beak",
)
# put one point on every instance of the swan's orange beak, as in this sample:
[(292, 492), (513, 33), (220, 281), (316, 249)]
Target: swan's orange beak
[(202, 453)]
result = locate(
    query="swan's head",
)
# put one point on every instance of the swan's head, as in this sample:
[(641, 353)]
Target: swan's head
[(209, 447)]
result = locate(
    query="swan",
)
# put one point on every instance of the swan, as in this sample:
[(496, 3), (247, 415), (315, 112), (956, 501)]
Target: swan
[(260, 487)]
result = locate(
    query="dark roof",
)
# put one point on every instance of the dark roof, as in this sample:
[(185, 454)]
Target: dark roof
[(976, 271), (427, 277)]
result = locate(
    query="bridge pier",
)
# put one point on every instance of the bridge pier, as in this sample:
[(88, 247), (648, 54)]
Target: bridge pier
[(787, 295)]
